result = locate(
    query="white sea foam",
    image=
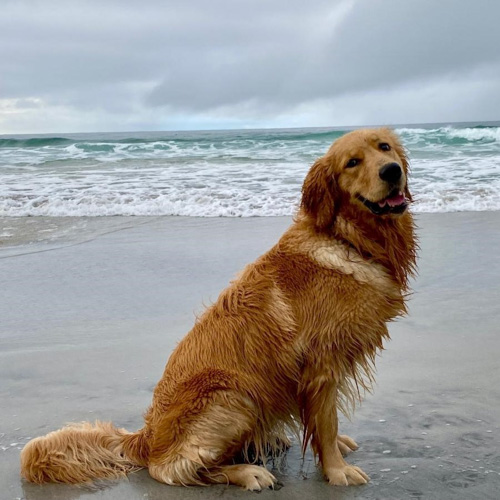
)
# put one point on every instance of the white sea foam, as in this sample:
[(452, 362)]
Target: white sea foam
[(474, 134), (450, 136), (239, 174)]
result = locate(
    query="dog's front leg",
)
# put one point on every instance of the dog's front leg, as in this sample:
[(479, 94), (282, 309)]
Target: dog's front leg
[(321, 426)]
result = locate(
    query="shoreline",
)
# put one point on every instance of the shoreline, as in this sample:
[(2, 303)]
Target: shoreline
[(16, 231), (94, 307)]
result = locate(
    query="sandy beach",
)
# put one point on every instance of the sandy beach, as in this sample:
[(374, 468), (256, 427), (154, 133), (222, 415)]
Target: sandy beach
[(92, 307)]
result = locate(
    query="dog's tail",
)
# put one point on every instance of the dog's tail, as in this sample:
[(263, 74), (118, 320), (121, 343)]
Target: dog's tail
[(80, 453)]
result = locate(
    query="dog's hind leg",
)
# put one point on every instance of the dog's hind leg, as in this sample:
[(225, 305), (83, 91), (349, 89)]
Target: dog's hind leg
[(201, 445)]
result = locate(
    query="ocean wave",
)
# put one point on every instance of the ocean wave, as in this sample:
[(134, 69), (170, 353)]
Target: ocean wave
[(475, 134), (197, 203), (451, 135), (223, 203), (201, 138), (231, 174), (290, 145), (33, 142)]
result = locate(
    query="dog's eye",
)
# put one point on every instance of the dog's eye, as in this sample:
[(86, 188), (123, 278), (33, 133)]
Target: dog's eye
[(384, 146), (352, 162)]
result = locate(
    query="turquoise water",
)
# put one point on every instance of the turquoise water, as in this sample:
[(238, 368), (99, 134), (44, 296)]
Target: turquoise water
[(242, 173)]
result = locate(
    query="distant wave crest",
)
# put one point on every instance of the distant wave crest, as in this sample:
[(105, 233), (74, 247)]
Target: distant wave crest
[(33, 142), (452, 135), (263, 136)]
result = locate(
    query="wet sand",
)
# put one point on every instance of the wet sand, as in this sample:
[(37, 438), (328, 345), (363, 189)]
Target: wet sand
[(91, 309)]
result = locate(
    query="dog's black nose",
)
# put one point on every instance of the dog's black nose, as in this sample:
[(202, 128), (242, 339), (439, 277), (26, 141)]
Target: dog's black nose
[(390, 172)]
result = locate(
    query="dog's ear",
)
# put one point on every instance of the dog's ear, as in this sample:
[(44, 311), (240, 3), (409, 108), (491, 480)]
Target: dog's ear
[(318, 193)]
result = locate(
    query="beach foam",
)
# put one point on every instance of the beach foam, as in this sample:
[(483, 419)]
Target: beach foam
[(226, 173)]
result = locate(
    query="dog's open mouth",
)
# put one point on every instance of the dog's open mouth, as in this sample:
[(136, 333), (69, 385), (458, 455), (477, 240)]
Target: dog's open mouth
[(395, 203)]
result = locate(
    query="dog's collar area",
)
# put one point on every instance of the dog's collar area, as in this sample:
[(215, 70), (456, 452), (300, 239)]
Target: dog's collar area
[(395, 203)]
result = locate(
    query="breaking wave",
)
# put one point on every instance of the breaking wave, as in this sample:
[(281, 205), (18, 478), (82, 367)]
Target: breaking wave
[(239, 173)]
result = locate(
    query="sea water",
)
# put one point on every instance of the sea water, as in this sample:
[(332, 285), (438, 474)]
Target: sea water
[(237, 173)]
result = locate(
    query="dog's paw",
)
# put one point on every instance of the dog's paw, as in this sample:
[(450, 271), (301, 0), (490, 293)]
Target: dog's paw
[(346, 475), (346, 444), (252, 477)]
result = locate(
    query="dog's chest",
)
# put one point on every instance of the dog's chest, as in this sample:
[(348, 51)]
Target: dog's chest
[(337, 257), (350, 299)]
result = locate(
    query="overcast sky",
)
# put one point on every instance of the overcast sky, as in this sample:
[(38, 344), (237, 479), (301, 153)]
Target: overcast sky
[(123, 65)]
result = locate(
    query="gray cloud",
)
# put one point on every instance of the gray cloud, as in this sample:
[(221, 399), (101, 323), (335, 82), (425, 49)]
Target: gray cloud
[(181, 64)]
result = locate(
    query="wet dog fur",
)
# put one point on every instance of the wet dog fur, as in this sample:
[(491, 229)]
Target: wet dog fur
[(287, 345)]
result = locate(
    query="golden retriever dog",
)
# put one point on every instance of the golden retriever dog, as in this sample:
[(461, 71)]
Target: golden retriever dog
[(289, 344)]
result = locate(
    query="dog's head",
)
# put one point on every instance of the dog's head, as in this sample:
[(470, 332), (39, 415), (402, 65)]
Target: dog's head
[(365, 170)]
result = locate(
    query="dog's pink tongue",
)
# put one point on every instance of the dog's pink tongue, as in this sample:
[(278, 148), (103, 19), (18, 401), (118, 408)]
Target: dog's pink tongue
[(395, 200)]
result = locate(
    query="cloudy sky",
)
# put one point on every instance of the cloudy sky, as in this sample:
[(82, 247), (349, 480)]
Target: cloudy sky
[(123, 65)]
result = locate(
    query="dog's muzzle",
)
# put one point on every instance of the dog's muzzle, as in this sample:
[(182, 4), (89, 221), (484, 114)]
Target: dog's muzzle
[(396, 203)]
